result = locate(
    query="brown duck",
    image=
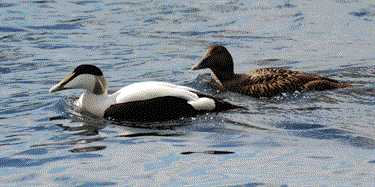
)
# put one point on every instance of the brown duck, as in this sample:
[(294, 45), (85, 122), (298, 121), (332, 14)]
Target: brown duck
[(265, 82)]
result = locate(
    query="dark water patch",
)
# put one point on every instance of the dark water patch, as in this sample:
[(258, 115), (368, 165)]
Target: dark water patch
[(164, 125), (23, 108), (15, 135), (72, 20), (327, 134), (24, 178), (341, 136), (225, 24), (155, 20), (7, 5), (71, 142), (35, 151), (97, 184), (246, 35), (28, 162), (228, 144), (7, 36), (44, 1), (13, 139), (286, 4), (299, 126), (347, 1), (87, 149), (158, 74), (163, 134), (7, 144), (65, 26), (247, 125), (363, 12), (11, 29), (193, 33), (360, 142), (190, 10), (320, 157), (225, 8), (61, 117), (266, 143), (87, 133), (212, 152), (371, 162), (84, 2), (52, 46), (40, 128), (254, 184), (168, 140), (275, 63), (5, 70), (87, 129), (20, 95), (62, 178)]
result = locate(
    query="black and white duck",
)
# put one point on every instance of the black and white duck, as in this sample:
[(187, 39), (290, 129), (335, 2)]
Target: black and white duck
[(143, 101)]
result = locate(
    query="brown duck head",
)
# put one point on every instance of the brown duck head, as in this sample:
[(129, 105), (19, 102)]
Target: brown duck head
[(219, 60)]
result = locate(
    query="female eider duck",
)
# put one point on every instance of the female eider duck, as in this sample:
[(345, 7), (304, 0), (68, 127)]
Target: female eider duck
[(266, 82), (143, 102)]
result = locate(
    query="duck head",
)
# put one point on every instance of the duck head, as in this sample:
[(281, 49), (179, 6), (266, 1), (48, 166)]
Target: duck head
[(87, 77), (219, 60)]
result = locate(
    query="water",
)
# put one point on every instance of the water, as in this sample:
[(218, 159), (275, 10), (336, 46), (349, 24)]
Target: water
[(316, 138)]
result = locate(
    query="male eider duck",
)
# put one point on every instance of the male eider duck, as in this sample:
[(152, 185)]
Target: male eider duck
[(143, 102), (265, 82)]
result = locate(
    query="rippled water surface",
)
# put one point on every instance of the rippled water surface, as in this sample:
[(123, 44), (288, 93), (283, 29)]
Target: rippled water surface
[(318, 138)]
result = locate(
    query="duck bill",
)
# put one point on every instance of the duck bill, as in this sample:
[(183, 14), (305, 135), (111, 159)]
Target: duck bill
[(61, 84), (196, 67), (201, 64)]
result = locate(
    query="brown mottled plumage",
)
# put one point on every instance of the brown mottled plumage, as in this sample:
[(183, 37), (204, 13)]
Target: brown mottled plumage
[(265, 82)]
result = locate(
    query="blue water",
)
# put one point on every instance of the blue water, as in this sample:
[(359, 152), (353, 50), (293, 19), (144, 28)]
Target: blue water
[(302, 139)]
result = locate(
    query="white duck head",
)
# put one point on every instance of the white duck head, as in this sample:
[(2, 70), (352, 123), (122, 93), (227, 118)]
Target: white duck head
[(87, 77)]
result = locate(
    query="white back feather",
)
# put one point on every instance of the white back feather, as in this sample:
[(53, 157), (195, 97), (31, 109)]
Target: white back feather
[(150, 90)]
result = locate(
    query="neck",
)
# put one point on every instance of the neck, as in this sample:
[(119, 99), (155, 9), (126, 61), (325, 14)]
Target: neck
[(95, 103), (223, 75)]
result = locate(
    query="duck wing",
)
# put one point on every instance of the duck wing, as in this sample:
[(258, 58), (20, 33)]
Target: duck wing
[(269, 82)]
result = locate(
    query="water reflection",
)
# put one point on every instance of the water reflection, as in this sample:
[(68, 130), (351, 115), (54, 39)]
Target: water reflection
[(213, 152)]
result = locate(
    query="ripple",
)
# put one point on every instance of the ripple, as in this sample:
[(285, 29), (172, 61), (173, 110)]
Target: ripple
[(28, 162), (85, 2), (299, 126), (87, 149), (64, 26), (362, 13), (7, 5), (36, 151), (163, 134), (212, 152), (11, 29)]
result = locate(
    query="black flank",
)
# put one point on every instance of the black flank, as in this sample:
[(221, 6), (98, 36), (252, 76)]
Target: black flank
[(156, 109)]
